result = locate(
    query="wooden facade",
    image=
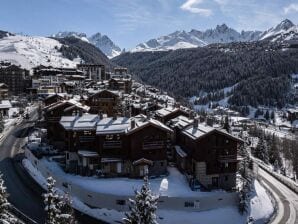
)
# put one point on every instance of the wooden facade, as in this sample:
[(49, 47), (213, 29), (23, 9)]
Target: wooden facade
[(126, 152), (212, 158), (104, 101)]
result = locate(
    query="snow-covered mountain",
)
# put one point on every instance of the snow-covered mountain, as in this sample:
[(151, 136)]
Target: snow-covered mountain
[(286, 30), (102, 42), (64, 34), (105, 44), (29, 52)]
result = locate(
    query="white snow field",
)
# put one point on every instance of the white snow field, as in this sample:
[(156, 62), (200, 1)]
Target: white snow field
[(29, 52)]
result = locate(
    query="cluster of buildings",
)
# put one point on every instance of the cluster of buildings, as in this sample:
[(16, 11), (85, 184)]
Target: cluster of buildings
[(107, 124), (115, 127)]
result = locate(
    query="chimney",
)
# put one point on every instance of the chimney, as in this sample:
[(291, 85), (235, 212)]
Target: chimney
[(100, 115), (196, 122), (191, 115), (132, 123), (209, 121)]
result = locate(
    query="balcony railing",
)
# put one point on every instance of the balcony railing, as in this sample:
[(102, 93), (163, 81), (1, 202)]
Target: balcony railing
[(153, 145), (112, 144), (229, 158)]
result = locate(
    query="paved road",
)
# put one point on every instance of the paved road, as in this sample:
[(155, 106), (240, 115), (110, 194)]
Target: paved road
[(24, 193), (287, 200)]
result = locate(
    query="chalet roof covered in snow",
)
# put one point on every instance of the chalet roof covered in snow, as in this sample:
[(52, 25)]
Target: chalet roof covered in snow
[(86, 122), (166, 111), (71, 103), (5, 104), (202, 130), (112, 125), (180, 122), (67, 122), (197, 132)]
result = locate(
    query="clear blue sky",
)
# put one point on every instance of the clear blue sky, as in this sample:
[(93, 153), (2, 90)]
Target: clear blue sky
[(129, 22)]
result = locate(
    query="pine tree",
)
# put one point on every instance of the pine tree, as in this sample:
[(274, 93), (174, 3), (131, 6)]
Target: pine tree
[(266, 116), (261, 151), (5, 216), (272, 116), (226, 125), (66, 215), (58, 208), (143, 207), (51, 200)]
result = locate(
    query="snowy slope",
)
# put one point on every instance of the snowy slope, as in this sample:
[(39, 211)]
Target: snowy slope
[(29, 52), (285, 30), (195, 38)]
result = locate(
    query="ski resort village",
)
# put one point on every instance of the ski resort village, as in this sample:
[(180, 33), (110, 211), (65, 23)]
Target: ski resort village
[(197, 127)]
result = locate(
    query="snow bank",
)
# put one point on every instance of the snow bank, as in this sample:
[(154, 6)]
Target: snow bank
[(261, 207)]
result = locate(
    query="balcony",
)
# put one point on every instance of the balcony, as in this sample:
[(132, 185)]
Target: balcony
[(153, 145), (229, 158)]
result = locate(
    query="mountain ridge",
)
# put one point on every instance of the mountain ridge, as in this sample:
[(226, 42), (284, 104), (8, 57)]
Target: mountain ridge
[(220, 34)]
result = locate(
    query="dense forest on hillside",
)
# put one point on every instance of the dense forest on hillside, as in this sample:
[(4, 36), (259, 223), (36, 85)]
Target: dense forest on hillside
[(74, 47), (260, 69)]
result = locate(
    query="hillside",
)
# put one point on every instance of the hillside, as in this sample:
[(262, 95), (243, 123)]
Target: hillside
[(31, 51), (260, 69), (73, 48)]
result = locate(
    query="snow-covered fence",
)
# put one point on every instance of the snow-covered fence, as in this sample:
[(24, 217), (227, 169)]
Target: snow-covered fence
[(201, 202), (285, 180)]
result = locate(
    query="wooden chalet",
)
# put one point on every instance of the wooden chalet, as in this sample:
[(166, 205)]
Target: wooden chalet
[(104, 101), (116, 146), (210, 156)]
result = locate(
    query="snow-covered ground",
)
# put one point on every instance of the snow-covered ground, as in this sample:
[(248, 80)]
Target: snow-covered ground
[(260, 204), (33, 51), (177, 183), (261, 208)]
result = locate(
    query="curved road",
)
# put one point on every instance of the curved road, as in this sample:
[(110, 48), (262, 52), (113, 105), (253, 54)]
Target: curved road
[(24, 193), (287, 200)]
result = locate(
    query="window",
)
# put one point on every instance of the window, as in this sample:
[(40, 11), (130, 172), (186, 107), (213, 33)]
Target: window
[(189, 204), (87, 132), (227, 141), (67, 156), (161, 163), (109, 137), (226, 178), (226, 165)]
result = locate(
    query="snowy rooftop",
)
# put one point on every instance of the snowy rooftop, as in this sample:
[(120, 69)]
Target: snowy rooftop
[(5, 104), (86, 121), (67, 121), (181, 121), (165, 111), (111, 126), (197, 132)]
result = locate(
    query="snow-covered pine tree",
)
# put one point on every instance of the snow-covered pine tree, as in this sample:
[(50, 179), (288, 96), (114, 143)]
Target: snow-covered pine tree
[(261, 151), (66, 215), (143, 207), (51, 200), (5, 217)]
